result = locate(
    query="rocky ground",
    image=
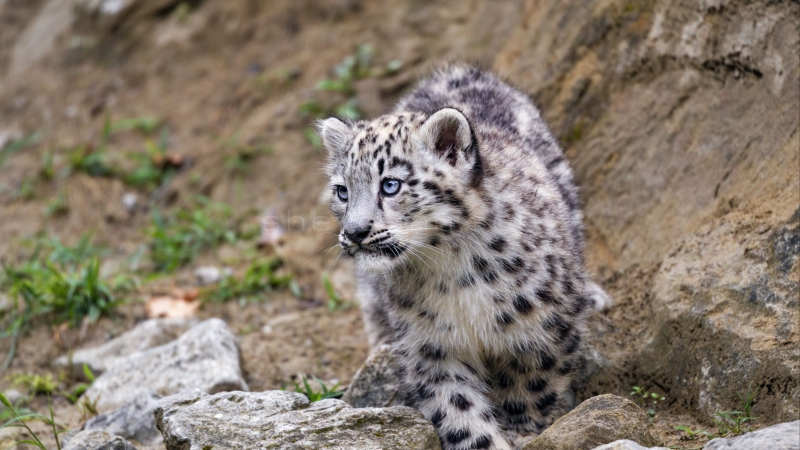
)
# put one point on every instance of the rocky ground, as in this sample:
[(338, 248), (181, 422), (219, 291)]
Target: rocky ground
[(680, 119)]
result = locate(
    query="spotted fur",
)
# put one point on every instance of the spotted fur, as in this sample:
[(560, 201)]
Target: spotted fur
[(473, 270)]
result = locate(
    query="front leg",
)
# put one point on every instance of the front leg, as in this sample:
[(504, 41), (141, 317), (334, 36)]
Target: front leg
[(452, 394)]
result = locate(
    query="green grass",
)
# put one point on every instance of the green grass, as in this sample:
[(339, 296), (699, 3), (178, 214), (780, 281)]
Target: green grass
[(177, 240), (18, 418), (19, 145), (258, 280), (647, 399), (335, 302), (315, 395), (56, 281), (691, 434), (733, 422), (339, 96)]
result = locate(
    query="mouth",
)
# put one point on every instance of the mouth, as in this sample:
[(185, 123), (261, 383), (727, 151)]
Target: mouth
[(389, 250)]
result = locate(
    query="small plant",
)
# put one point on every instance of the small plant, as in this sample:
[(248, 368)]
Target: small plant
[(734, 421), (692, 435), (60, 282), (317, 395), (335, 303), (57, 206), (258, 279), (19, 145), (18, 419), (176, 241), (35, 384), (242, 154), (155, 167), (342, 99), (646, 399), (145, 124), (91, 161), (46, 170)]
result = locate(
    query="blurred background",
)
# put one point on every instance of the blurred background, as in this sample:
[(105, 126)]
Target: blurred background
[(157, 160)]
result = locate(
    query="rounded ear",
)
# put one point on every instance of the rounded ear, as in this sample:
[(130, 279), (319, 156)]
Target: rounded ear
[(335, 134), (447, 133)]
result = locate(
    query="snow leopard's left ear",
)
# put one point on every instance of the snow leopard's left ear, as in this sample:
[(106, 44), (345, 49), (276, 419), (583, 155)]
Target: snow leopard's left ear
[(448, 134), (335, 135)]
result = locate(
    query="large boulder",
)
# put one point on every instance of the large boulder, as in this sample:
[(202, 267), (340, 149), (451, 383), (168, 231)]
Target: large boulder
[(597, 421), (148, 334), (205, 357), (286, 420)]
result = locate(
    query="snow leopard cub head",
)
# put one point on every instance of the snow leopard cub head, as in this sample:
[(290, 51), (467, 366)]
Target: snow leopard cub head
[(402, 184)]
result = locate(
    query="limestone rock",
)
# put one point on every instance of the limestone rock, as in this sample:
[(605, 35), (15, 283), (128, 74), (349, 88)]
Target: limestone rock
[(596, 421), (98, 440), (148, 334), (134, 420), (784, 436), (205, 358), (286, 420), (376, 383)]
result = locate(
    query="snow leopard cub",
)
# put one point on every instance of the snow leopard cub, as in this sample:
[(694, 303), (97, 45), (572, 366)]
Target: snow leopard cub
[(461, 214)]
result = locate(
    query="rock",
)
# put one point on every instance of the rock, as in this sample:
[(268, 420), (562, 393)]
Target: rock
[(97, 440), (129, 201), (205, 358), (597, 421), (784, 436), (39, 38), (280, 419), (376, 383), (148, 334), (211, 275), (134, 420), (626, 444)]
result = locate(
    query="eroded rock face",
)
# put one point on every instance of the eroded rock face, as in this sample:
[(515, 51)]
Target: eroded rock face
[(148, 334), (784, 436), (98, 440), (680, 121), (205, 358), (280, 419), (597, 421)]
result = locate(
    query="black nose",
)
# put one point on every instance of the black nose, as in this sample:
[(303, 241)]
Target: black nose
[(357, 234)]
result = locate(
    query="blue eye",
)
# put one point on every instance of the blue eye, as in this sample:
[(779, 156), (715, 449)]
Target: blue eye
[(390, 186), (341, 192)]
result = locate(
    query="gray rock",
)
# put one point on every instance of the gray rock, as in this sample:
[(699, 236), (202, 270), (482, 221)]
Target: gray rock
[(286, 420), (134, 420), (784, 436), (206, 275), (148, 334), (205, 358), (626, 444), (376, 383), (97, 440), (597, 421)]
